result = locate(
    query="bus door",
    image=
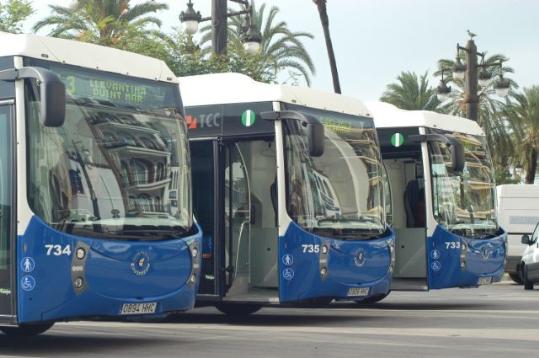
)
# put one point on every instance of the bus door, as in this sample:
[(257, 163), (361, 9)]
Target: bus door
[(205, 165), (6, 214), (250, 221)]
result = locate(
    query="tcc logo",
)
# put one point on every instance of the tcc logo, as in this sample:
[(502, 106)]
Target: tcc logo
[(210, 120)]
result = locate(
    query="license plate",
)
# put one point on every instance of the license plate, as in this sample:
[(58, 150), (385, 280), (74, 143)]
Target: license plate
[(138, 308), (484, 281), (358, 292)]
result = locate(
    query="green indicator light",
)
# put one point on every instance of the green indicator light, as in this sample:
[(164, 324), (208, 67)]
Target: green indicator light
[(248, 118), (397, 140)]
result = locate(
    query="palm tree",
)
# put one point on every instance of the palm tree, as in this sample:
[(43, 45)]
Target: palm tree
[(13, 13), (112, 23), (524, 120), (281, 49), (492, 117), (411, 92)]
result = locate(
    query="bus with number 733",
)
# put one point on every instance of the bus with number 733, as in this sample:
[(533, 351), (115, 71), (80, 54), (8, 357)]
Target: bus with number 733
[(442, 205)]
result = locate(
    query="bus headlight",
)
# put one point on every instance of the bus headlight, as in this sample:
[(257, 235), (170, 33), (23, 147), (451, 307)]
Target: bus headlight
[(81, 253), (195, 262), (323, 259), (391, 246), (78, 283), (323, 271)]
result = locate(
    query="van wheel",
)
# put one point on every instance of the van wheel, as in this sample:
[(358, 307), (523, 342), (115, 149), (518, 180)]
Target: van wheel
[(516, 277), (373, 299), (528, 285), (237, 309), (26, 330)]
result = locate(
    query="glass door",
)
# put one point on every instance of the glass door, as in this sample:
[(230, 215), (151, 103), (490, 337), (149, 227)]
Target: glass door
[(237, 202), (6, 205)]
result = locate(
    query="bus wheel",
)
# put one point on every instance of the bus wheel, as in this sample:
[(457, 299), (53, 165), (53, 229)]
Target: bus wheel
[(237, 309), (516, 278), (528, 285), (26, 330), (373, 299)]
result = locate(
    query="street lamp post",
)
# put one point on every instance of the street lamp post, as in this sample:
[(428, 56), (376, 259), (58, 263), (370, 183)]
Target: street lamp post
[(322, 10), (470, 86), (469, 73), (219, 16)]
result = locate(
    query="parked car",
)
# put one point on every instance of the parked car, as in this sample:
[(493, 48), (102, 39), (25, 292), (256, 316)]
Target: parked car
[(530, 259)]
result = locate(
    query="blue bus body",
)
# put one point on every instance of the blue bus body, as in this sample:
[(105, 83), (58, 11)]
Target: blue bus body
[(95, 189), (351, 266), (456, 261), (111, 273)]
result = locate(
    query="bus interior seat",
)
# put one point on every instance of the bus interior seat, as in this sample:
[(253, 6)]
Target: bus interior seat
[(414, 199)]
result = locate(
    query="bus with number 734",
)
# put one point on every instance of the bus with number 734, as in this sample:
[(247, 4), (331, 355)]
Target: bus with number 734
[(95, 186)]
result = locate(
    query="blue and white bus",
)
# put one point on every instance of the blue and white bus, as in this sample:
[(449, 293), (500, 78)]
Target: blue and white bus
[(288, 190), (443, 200), (95, 192)]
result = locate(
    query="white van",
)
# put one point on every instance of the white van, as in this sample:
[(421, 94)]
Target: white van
[(518, 213), (530, 259)]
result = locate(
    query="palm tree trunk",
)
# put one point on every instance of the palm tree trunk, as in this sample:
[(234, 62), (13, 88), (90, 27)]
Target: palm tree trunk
[(531, 167), (322, 9)]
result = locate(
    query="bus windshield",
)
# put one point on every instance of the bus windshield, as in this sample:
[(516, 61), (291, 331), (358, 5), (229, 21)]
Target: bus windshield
[(340, 193), (463, 202), (118, 167)]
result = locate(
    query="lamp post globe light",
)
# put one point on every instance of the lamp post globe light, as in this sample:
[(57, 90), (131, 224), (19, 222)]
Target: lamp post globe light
[(472, 77), (502, 86), (251, 37), (443, 91), (252, 41), (484, 78), (190, 19)]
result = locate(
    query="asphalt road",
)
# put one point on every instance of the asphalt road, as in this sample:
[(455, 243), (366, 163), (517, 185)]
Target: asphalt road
[(492, 321)]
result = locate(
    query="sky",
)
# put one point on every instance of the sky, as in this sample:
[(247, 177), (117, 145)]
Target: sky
[(375, 40)]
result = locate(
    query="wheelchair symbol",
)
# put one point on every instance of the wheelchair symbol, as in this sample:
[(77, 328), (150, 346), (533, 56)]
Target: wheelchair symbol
[(28, 283), (288, 274)]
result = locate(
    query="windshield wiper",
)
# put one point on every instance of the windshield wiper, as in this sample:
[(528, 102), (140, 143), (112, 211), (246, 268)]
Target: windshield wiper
[(360, 220)]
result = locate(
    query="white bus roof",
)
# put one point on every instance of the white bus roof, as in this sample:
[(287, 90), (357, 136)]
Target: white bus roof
[(229, 88), (85, 55), (529, 191), (389, 116)]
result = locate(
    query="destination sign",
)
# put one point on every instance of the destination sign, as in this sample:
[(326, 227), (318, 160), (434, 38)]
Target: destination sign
[(109, 90), (118, 89)]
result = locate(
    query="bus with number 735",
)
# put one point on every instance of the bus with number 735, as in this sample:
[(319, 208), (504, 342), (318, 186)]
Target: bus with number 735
[(288, 189)]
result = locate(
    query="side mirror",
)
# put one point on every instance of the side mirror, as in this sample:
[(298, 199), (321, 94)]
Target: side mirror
[(316, 138), (51, 89), (457, 156), (457, 149), (313, 129), (525, 239)]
